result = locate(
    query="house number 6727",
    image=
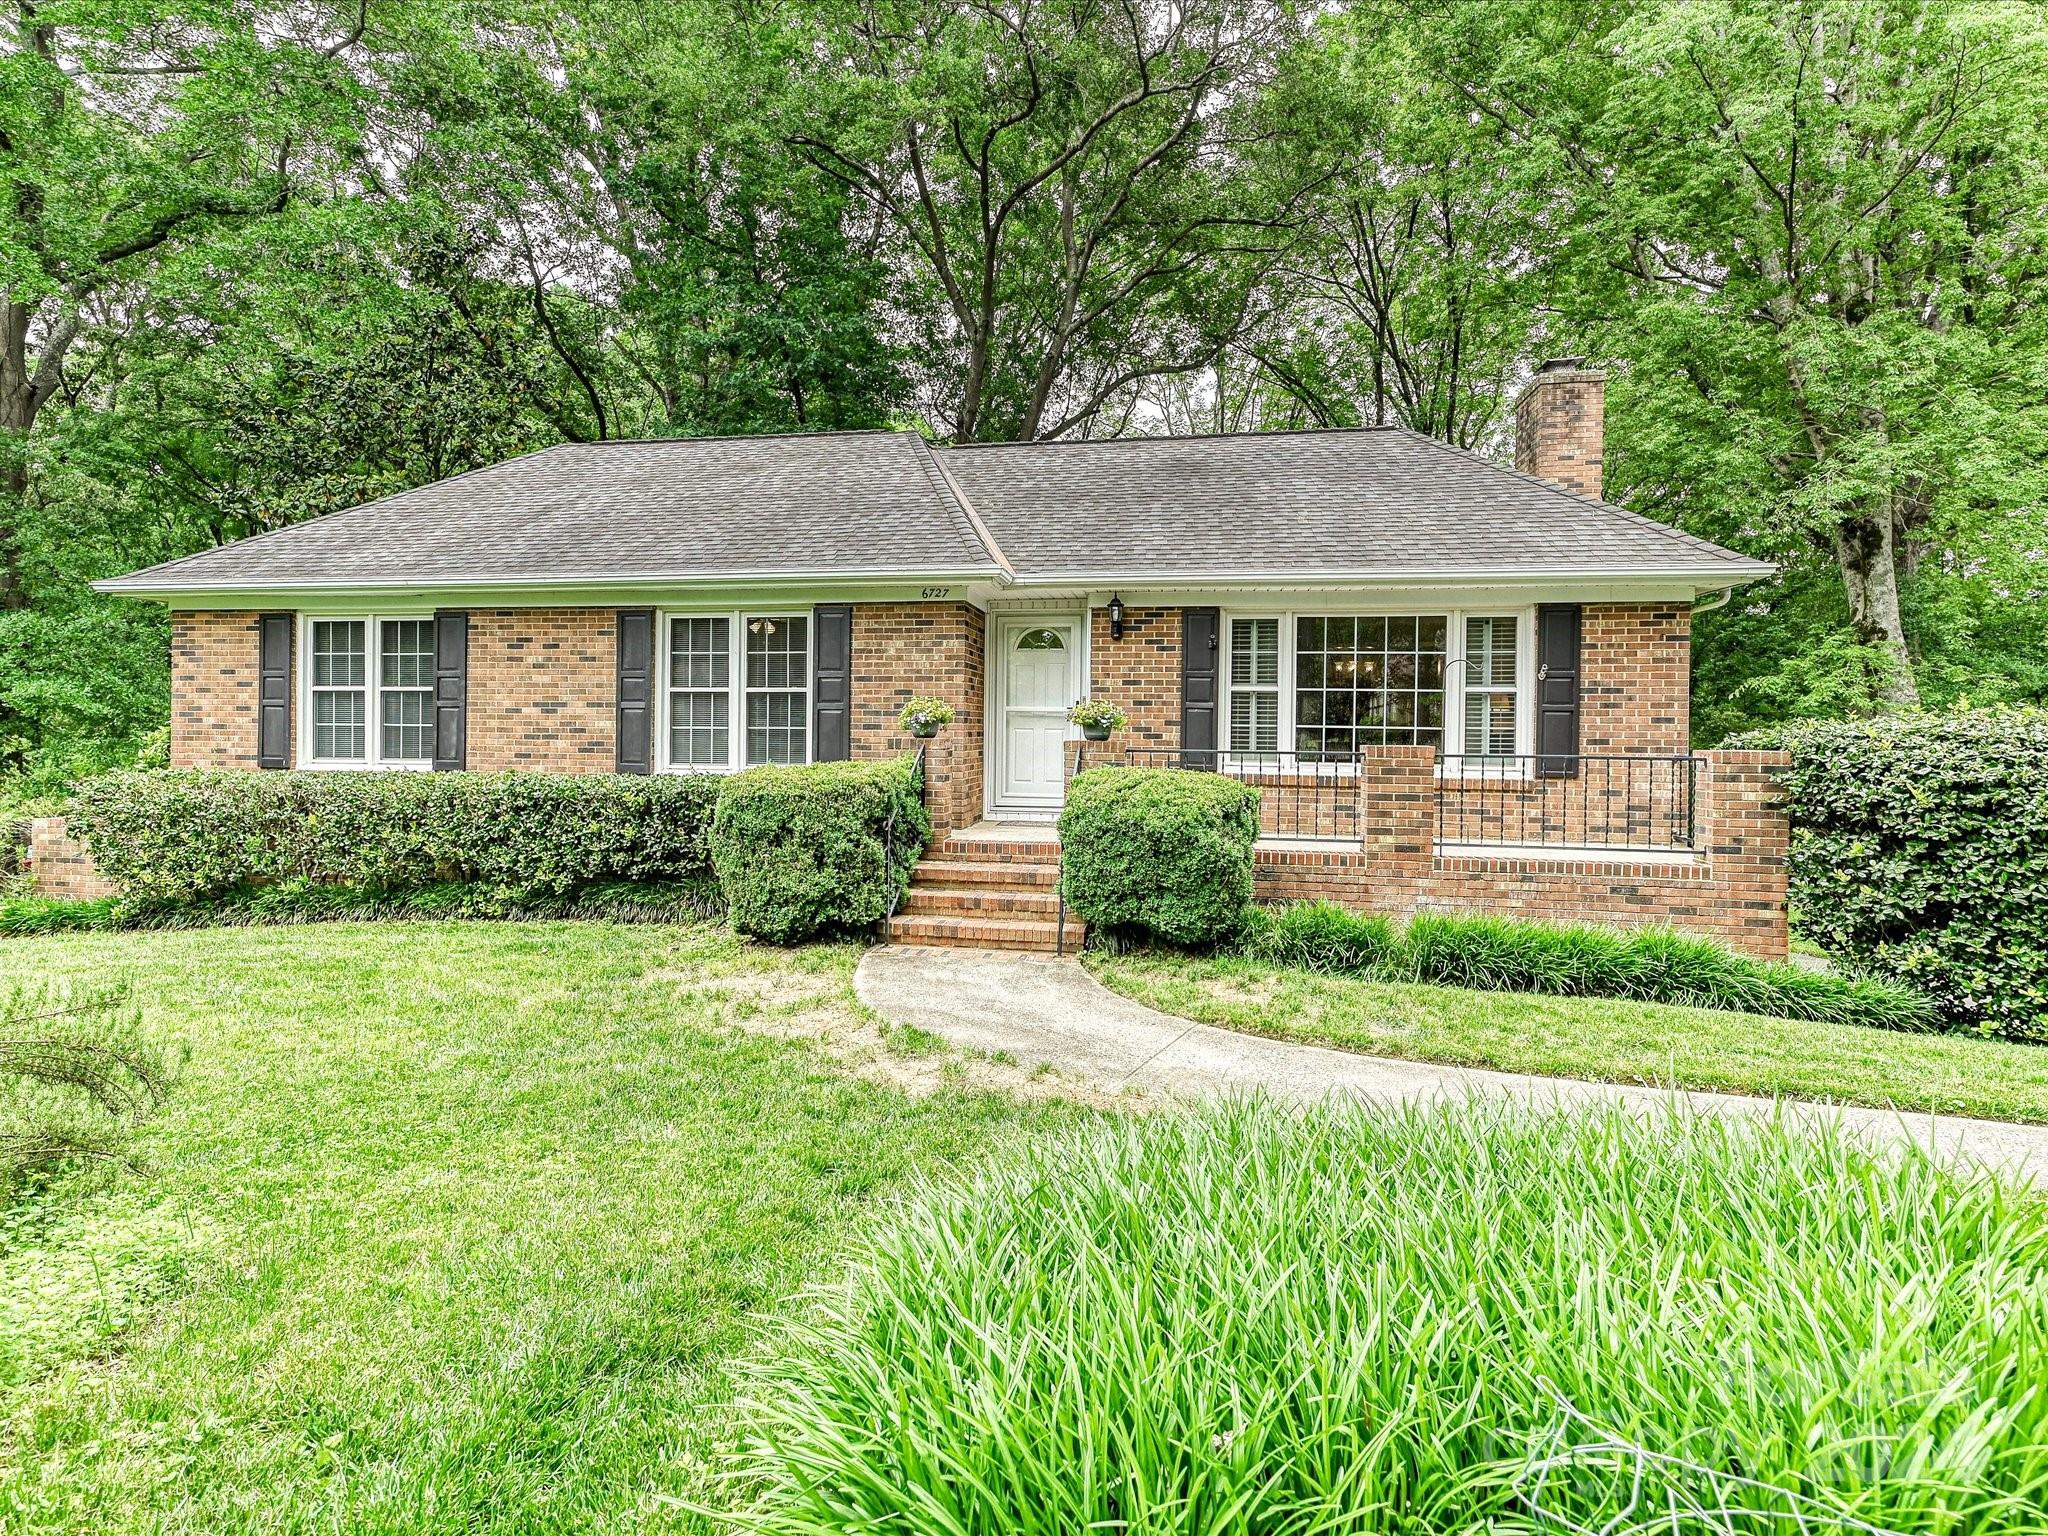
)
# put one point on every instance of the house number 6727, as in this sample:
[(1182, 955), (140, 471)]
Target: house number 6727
[(938, 592)]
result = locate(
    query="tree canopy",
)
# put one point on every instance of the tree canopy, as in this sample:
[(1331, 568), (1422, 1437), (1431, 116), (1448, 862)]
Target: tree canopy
[(262, 260)]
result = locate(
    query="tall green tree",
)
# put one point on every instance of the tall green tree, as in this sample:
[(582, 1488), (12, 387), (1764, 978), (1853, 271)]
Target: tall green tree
[(1415, 293), (1065, 187), (1813, 230), (130, 130)]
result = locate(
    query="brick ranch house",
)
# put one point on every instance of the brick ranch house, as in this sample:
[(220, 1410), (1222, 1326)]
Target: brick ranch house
[(1461, 686)]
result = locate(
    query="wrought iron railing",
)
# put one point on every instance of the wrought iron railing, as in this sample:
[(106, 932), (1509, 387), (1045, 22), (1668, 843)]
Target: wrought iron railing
[(892, 898), (1059, 938), (1307, 795), (1607, 803)]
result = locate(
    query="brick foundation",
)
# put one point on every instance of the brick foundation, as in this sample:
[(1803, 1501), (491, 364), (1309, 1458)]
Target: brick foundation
[(1733, 890), (59, 864)]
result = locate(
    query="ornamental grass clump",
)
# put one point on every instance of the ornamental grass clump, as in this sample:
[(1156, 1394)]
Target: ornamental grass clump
[(1407, 1322), (1505, 954)]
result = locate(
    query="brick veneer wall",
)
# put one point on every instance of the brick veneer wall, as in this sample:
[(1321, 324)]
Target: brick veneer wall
[(60, 865), (1140, 673), (543, 689), (1734, 890), (1635, 678), (215, 676), (903, 651)]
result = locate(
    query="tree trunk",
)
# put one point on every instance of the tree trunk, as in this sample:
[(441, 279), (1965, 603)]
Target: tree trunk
[(1868, 558), (18, 404)]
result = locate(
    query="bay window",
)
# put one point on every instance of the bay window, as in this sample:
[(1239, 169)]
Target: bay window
[(1325, 685), (369, 692), (751, 668)]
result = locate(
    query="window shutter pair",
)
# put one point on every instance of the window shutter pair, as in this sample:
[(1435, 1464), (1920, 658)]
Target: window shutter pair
[(274, 690), (831, 686), (1558, 629)]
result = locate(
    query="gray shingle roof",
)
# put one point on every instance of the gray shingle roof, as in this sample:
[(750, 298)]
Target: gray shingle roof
[(1377, 501), (1302, 505), (835, 504)]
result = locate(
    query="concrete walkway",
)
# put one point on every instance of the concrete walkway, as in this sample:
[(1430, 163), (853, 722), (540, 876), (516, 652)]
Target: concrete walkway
[(1042, 1010)]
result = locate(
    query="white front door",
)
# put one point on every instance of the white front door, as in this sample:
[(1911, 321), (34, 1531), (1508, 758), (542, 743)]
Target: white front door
[(1040, 662)]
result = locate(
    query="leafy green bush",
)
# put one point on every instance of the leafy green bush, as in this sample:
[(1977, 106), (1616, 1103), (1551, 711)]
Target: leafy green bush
[(1920, 851), (1502, 954), (817, 849), (1384, 1321), (1160, 852), (187, 836)]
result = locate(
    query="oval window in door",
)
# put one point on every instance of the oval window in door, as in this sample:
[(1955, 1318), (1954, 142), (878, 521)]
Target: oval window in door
[(1041, 640)]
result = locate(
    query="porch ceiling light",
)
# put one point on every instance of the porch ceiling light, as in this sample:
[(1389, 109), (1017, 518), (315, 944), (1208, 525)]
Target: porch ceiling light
[(1116, 617)]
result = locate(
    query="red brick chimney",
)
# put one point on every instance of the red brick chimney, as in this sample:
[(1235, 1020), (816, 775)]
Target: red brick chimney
[(1560, 425)]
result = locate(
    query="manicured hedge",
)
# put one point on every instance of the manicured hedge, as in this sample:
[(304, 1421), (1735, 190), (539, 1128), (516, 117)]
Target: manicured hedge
[(1160, 852), (1500, 954), (1920, 852), (802, 851), (171, 837)]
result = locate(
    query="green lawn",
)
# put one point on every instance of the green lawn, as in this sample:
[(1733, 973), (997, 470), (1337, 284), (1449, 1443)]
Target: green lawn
[(448, 1227), (1597, 1038)]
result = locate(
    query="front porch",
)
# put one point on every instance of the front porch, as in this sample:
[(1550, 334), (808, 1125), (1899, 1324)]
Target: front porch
[(1696, 842)]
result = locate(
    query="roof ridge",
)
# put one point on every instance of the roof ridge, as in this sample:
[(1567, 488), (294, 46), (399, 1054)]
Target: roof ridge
[(1677, 535), (1168, 437), (978, 529)]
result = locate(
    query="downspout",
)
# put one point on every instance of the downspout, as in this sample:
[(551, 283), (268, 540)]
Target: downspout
[(1719, 600)]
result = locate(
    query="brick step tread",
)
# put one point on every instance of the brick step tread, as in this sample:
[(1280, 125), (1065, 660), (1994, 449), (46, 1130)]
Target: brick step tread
[(944, 901), (982, 932), (964, 876), (974, 850)]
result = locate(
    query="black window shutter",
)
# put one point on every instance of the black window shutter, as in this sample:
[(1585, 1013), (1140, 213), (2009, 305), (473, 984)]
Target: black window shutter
[(1200, 648), (636, 690), (832, 682), (274, 690), (1557, 690), (451, 690)]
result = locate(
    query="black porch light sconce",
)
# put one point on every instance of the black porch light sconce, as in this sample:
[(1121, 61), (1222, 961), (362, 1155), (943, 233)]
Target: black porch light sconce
[(1116, 617)]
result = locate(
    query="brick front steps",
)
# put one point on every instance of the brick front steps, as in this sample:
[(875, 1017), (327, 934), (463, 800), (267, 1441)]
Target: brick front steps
[(986, 893)]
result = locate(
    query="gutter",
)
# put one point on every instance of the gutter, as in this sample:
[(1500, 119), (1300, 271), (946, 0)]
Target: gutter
[(1719, 600)]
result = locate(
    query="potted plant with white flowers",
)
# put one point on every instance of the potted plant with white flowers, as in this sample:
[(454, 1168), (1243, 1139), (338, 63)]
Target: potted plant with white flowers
[(924, 717), (1097, 718)]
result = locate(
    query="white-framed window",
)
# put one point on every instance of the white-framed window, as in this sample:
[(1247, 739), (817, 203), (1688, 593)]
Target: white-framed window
[(736, 690), (367, 700), (1325, 684)]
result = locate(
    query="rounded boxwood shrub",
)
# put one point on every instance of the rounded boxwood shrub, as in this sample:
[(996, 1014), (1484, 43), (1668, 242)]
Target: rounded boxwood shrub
[(1388, 1321), (804, 851), (1160, 852), (1920, 852), (183, 836)]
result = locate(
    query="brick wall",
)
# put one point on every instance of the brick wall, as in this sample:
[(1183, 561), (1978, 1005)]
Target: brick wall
[(1139, 673), (1733, 890), (1635, 678), (543, 689), (1560, 427), (59, 864), (215, 677), (903, 651)]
